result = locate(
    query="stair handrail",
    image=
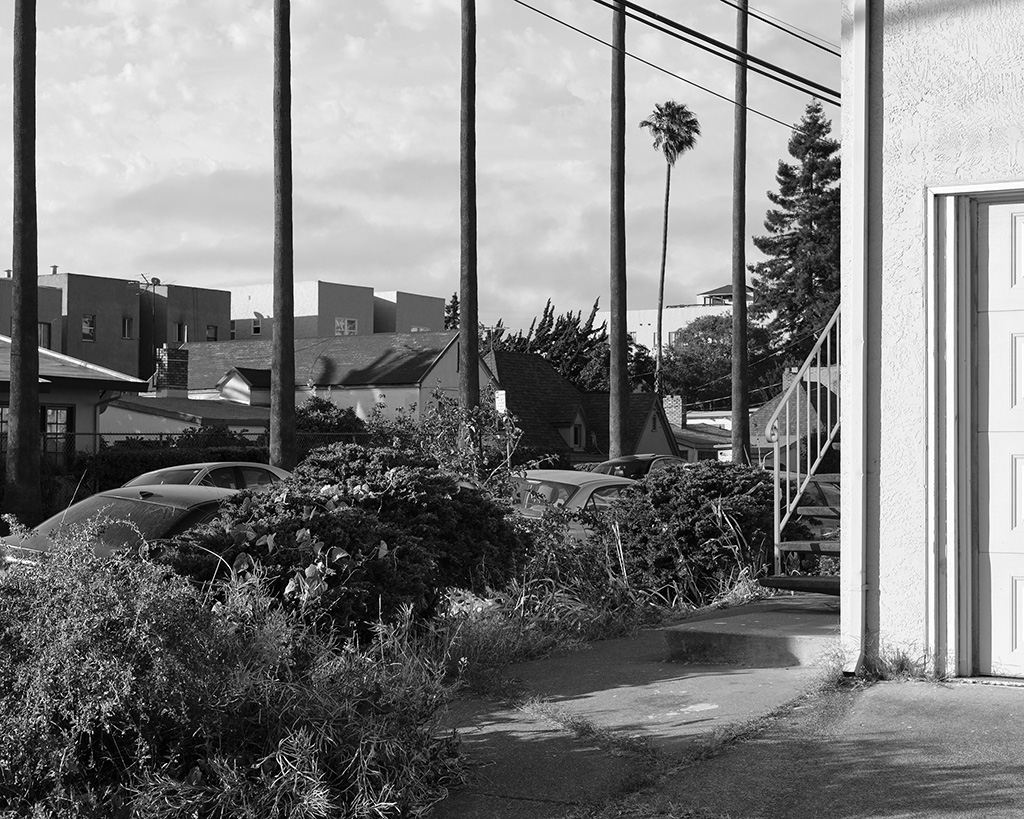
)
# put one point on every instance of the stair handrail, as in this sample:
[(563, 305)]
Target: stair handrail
[(788, 496)]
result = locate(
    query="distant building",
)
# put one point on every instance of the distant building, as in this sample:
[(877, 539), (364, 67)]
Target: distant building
[(325, 309), (51, 326)]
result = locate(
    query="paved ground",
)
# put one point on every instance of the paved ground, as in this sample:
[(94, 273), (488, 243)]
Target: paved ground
[(620, 725)]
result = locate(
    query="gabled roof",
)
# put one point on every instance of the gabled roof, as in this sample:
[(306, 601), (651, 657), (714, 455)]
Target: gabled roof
[(538, 396), (195, 411), (724, 290), (57, 367), (803, 418), (703, 436), (639, 407), (379, 359), (257, 379)]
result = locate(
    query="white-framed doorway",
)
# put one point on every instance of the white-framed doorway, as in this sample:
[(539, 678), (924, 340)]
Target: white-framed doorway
[(976, 429)]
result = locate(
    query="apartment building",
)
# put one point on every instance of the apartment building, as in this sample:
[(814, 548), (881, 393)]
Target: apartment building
[(51, 325)]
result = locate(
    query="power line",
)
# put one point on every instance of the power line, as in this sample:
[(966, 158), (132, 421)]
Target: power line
[(657, 67), (737, 55), (797, 28), (785, 27)]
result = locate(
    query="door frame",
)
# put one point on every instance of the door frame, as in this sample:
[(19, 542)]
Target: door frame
[(952, 254)]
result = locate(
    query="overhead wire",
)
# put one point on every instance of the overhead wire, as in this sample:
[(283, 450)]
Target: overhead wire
[(789, 29), (725, 47), (657, 67)]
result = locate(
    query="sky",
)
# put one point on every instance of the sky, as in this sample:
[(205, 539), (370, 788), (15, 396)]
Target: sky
[(154, 151)]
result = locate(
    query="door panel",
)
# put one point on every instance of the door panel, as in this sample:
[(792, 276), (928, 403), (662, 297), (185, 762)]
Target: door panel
[(998, 439)]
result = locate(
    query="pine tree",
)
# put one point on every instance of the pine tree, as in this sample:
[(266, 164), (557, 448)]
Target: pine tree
[(797, 287), (451, 313)]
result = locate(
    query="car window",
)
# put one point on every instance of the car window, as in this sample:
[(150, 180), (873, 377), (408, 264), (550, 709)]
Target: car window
[(194, 517), (125, 521), (223, 476), (603, 497), (539, 495), (165, 476), (255, 476)]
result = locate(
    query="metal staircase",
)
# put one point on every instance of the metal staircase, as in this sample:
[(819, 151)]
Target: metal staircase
[(804, 430)]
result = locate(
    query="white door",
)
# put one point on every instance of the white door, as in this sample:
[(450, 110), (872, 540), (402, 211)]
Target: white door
[(999, 439)]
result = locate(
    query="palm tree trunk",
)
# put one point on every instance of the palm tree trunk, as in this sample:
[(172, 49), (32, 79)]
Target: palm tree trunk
[(23, 497), (661, 283), (282, 387), (469, 339), (740, 385), (618, 373)]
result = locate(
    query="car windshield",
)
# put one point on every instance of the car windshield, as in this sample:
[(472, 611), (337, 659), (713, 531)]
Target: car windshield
[(538, 495), (624, 469), (126, 521), (165, 476)]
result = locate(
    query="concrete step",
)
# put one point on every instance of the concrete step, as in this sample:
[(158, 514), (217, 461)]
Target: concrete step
[(785, 631), (820, 584), (820, 547)]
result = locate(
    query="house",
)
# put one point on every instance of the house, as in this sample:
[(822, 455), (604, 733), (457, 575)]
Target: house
[(400, 371), (933, 334), (556, 418), (71, 393), (324, 309)]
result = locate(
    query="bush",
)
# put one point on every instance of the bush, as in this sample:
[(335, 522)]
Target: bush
[(688, 534), (359, 533), (124, 692)]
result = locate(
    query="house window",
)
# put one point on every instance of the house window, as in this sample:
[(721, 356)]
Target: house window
[(211, 332), (231, 330), (345, 326), (179, 332), (56, 427), (577, 435), (632, 337), (89, 327), (257, 327), (45, 334), (672, 336), (127, 327)]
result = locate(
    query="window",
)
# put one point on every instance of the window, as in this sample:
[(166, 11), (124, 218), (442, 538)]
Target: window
[(257, 327), (127, 327), (44, 330), (577, 435), (89, 327), (672, 335), (232, 330), (211, 332), (345, 326), (179, 332), (632, 337)]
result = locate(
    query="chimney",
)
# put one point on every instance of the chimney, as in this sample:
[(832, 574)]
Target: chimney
[(53, 270), (171, 376), (675, 409), (8, 271)]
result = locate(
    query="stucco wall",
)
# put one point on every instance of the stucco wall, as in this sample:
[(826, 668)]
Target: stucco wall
[(945, 105)]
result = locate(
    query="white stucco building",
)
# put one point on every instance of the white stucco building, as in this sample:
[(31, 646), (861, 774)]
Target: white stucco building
[(933, 333)]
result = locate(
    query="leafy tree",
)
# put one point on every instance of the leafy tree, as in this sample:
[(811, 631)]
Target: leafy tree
[(451, 313), (797, 287), (23, 496), (577, 349), (698, 363), (675, 130)]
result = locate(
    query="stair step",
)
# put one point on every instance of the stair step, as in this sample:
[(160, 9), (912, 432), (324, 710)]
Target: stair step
[(825, 477), (822, 584), (818, 511), (823, 547)]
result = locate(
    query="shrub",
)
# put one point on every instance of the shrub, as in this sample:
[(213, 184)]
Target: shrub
[(359, 533), (687, 534), (317, 414), (124, 692)]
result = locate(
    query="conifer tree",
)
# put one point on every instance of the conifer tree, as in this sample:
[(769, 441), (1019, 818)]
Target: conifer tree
[(797, 287)]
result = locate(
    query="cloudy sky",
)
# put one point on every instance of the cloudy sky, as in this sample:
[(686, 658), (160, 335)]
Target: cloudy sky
[(155, 144)]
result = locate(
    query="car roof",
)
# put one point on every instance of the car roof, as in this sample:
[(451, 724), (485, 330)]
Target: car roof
[(182, 496), (572, 476), (281, 473)]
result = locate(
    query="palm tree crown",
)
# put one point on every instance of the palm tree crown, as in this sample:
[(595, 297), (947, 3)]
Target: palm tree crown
[(674, 127)]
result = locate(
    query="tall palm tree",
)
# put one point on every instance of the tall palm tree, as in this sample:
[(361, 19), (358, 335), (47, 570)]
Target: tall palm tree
[(675, 130), (23, 496), (469, 339), (283, 451), (618, 366)]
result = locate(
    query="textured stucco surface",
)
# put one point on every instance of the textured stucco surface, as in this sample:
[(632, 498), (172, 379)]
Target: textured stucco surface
[(948, 109)]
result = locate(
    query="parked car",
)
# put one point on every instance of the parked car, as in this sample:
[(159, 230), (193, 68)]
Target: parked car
[(225, 474), (128, 516), (542, 489), (637, 466)]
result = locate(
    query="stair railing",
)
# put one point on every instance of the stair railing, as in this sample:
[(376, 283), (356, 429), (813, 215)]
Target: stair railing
[(809, 409)]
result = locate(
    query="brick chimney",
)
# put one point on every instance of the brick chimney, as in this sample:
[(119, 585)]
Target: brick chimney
[(675, 409), (171, 376)]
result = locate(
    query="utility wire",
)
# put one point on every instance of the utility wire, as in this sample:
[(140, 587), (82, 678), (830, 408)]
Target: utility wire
[(792, 31), (722, 46), (730, 100), (797, 28)]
